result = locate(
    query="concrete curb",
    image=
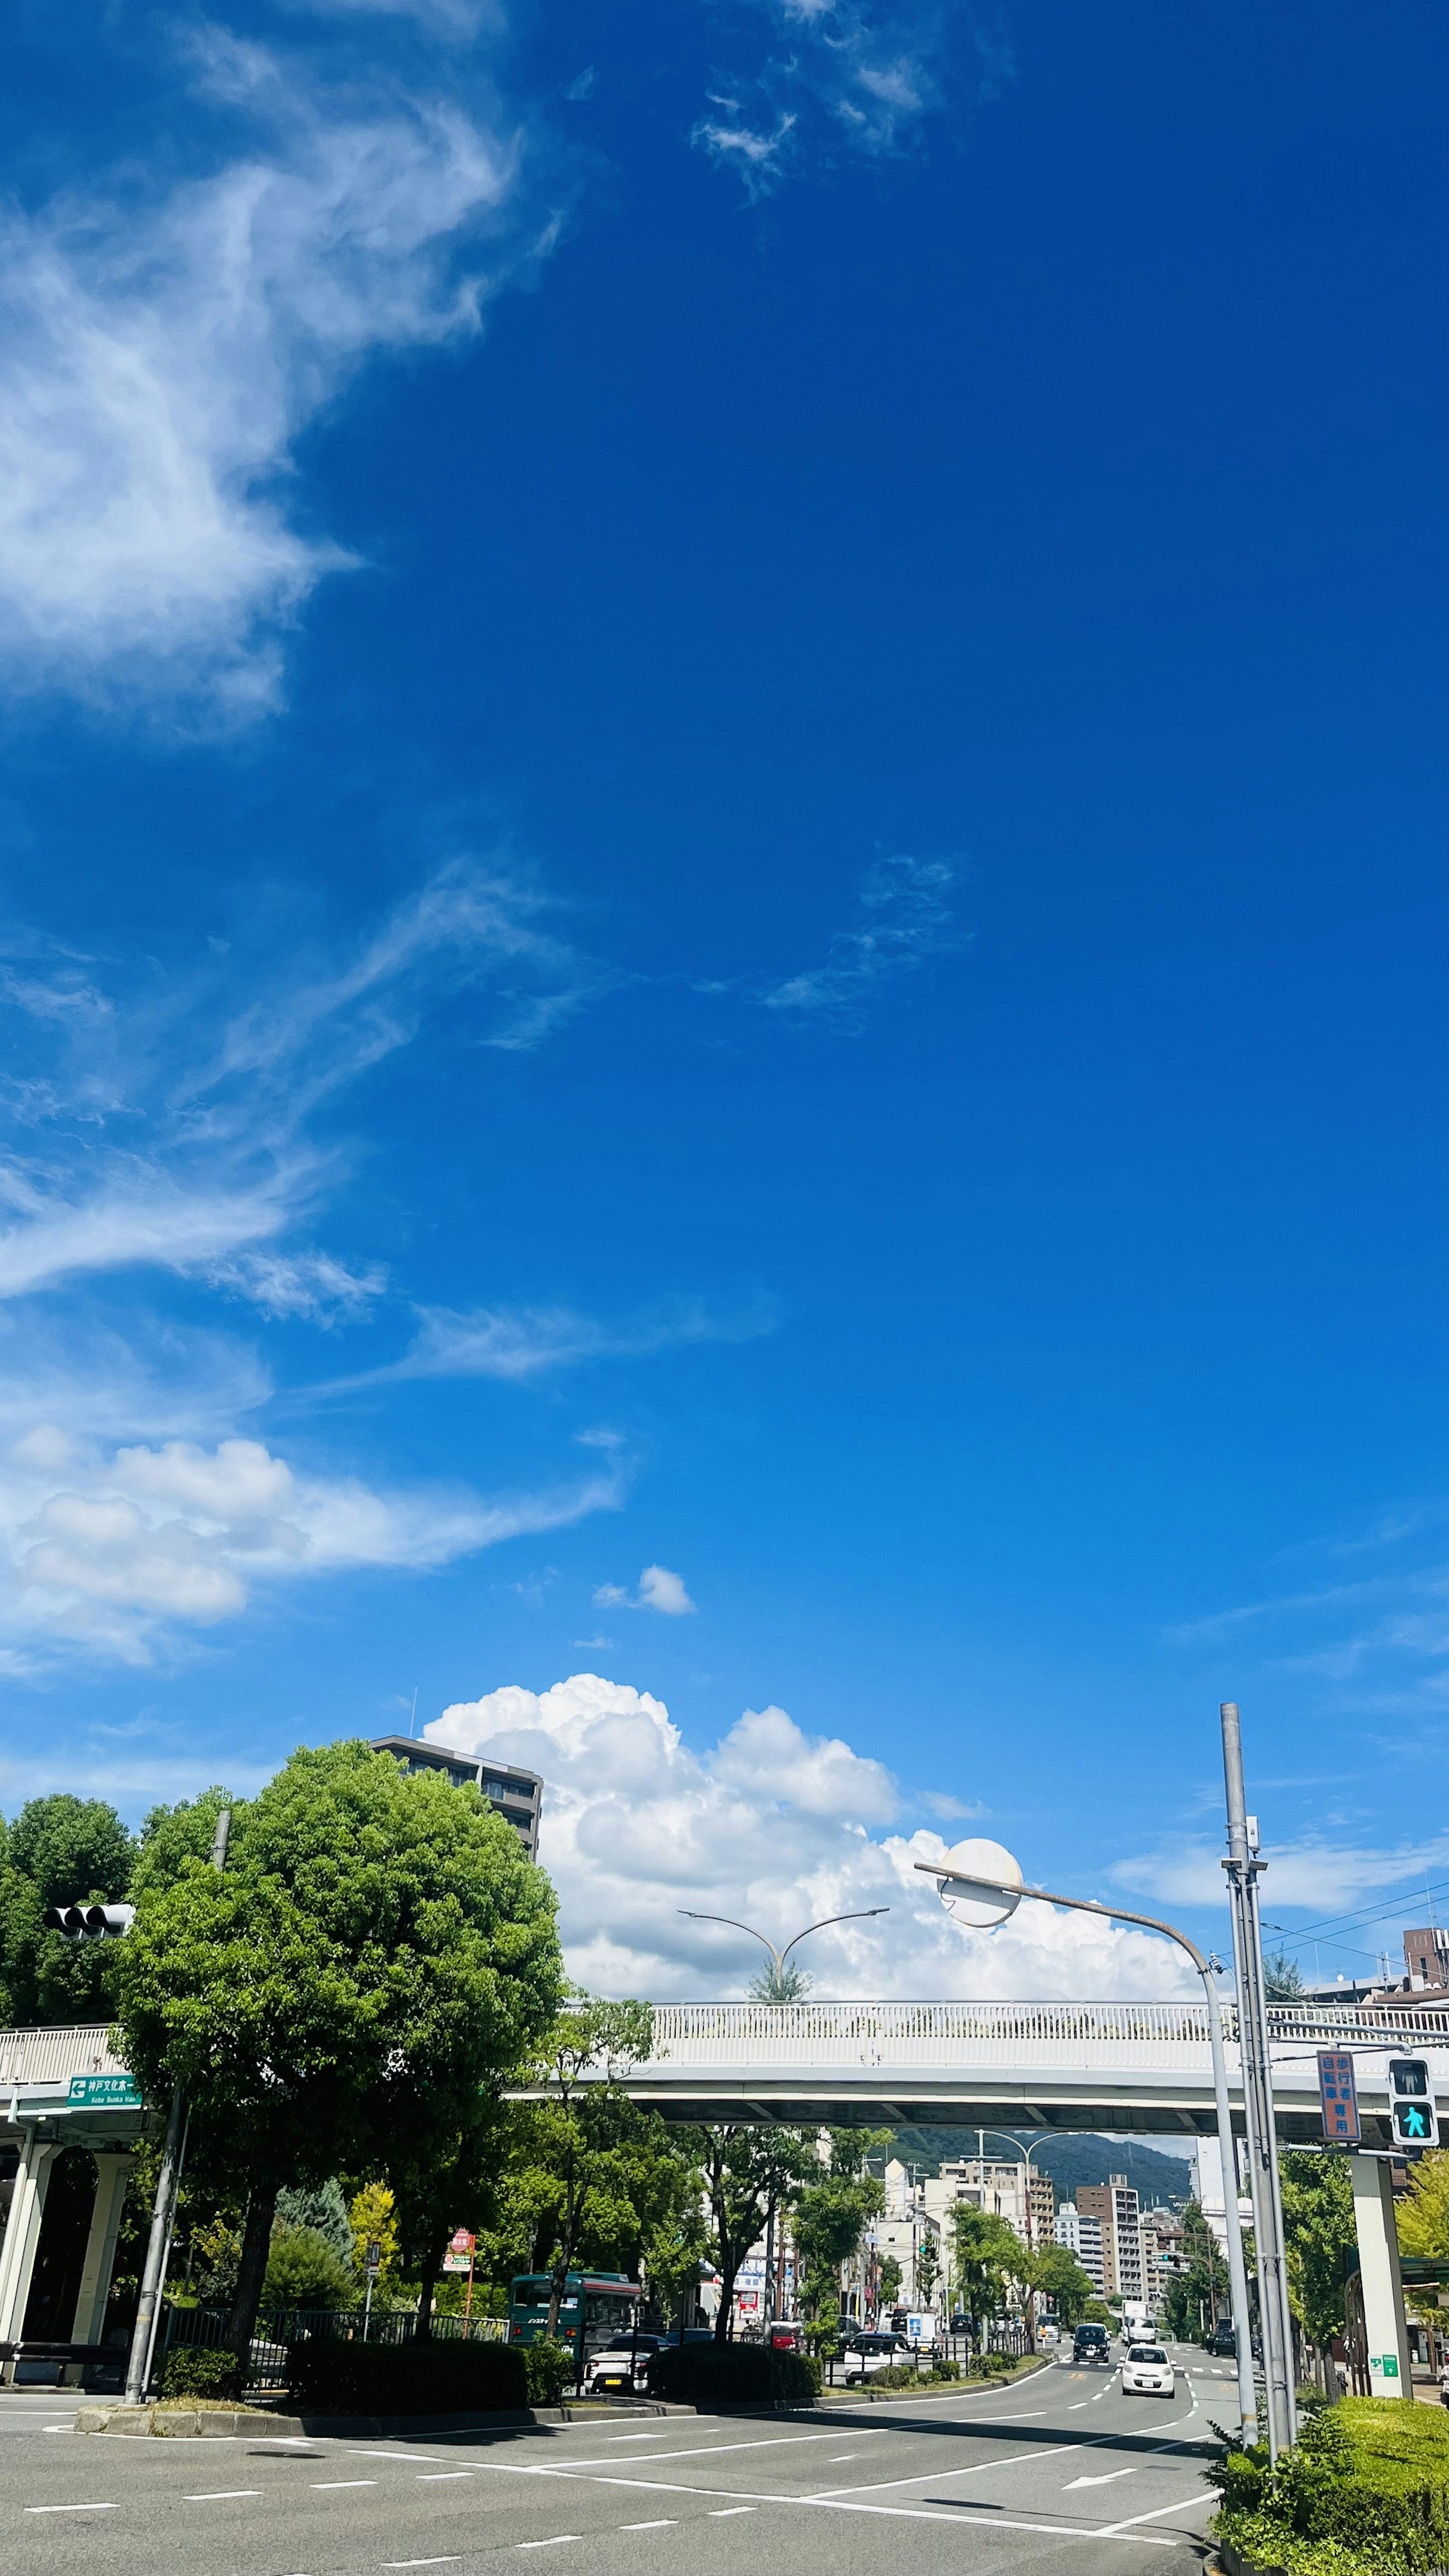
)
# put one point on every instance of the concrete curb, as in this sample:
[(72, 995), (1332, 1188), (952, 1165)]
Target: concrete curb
[(223, 2423)]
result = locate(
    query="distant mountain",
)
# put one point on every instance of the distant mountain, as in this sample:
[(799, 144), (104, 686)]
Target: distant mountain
[(1069, 2159)]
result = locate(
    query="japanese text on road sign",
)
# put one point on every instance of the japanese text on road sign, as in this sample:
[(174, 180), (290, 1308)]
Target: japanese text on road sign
[(1339, 2097)]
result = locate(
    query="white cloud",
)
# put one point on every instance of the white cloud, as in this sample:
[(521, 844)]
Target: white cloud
[(1321, 1875), (847, 77), (658, 1590), (774, 1827), (905, 917), (162, 358), (516, 1343), (309, 1284), (113, 1551)]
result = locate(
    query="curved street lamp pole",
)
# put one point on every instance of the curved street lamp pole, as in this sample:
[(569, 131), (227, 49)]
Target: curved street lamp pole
[(1237, 2270), (780, 1956)]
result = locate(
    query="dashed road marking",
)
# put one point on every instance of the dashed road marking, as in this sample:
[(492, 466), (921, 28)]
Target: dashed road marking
[(223, 2495), (440, 2477), (666, 2525), (70, 2508), (329, 2486), (556, 2542)]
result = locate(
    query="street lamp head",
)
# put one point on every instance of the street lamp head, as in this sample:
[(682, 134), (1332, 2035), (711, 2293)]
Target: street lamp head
[(977, 1884)]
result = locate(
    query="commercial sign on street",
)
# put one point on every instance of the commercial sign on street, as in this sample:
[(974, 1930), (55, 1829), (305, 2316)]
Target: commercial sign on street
[(105, 2092), (1339, 2097), (459, 2256)]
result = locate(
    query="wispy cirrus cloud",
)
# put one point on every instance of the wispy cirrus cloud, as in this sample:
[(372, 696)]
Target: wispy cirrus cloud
[(517, 1344), (846, 78), (904, 917), (163, 351), (1298, 1873)]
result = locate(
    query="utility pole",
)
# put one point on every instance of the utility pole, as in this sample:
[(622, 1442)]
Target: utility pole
[(1244, 1870), (158, 2248)]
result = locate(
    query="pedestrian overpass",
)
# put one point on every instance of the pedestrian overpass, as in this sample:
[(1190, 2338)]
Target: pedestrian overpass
[(1141, 2068), (1138, 2068)]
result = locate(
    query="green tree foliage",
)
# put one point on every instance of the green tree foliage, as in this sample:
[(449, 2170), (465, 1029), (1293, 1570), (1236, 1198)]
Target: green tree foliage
[(776, 1985), (988, 2253), (304, 2270), (832, 2211), (60, 1850), (573, 2175), (747, 2173), (928, 2269), (1282, 1978), (891, 2277), (1318, 2231), (377, 1952), (322, 2208), (1423, 2213), (1054, 2273), (1193, 2298)]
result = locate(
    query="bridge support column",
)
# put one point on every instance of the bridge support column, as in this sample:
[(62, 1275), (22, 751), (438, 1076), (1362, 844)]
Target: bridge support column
[(22, 2237), (1387, 2333), (113, 2172)]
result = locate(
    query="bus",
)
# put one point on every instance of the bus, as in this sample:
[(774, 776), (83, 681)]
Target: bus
[(603, 2304)]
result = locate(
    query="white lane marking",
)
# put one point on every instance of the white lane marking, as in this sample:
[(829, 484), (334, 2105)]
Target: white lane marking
[(419, 2562), (403, 2459), (727, 2512), (638, 2437), (440, 2477), (1184, 2504), (557, 2541), (222, 2495), (70, 2508), (1081, 2402), (1105, 2480), (827, 2504), (969, 2469), (1101, 2393), (666, 2525), (838, 2458), (329, 2486)]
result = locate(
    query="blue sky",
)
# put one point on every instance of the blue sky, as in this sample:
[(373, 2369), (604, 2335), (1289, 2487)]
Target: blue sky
[(722, 822)]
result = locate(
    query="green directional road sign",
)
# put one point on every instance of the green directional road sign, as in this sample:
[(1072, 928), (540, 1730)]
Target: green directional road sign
[(105, 2092)]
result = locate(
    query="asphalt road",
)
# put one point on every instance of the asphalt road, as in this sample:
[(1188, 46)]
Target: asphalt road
[(1060, 2472)]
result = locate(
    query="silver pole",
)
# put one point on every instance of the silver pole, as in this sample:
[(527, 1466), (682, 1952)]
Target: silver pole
[(1244, 1868), (1232, 2218), (158, 2246)]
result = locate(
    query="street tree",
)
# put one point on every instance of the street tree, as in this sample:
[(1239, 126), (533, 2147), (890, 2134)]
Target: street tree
[(832, 2211), (890, 2279), (988, 2253), (571, 2173), (1052, 2272), (61, 1850), (747, 2173), (928, 2268), (1318, 2233), (376, 1953)]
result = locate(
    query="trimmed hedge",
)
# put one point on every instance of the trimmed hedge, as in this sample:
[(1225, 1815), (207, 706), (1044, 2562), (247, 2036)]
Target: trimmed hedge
[(330, 2376), (732, 2374), (550, 2368), (200, 2370), (1365, 2487)]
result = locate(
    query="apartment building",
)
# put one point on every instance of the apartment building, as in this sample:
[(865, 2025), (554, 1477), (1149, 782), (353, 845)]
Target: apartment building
[(1115, 2204), (1081, 2233), (510, 1792), (1003, 2189)]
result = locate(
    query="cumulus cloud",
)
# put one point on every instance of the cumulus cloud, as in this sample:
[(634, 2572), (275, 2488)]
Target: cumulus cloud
[(847, 77), (773, 1826), (162, 355), (658, 1590), (904, 917), (114, 1551)]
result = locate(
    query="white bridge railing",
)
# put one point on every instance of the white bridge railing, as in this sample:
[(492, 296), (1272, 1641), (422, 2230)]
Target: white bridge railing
[(54, 2056), (728, 2034)]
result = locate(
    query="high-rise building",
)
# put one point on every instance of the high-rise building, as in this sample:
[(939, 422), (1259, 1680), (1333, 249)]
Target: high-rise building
[(1115, 2204), (999, 2187), (1081, 2233), (511, 1792)]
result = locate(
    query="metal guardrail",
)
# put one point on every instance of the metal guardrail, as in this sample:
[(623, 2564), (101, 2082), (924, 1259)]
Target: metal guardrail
[(747, 2028)]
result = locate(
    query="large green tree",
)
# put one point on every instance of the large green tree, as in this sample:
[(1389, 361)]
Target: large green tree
[(747, 2172), (1318, 2232), (988, 2253), (1053, 2272), (572, 2176), (61, 1850), (377, 1952)]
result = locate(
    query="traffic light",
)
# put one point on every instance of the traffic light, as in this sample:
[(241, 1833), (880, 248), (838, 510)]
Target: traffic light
[(1413, 2117), (89, 1922)]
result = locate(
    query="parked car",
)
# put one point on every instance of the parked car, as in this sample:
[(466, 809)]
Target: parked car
[(865, 2354), (621, 2366), (1147, 2372), (1089, 2343)]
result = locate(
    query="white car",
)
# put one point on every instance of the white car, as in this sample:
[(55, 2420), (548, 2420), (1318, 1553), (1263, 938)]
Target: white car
[(621, 2367), (1147, 2372), (865, 2354)]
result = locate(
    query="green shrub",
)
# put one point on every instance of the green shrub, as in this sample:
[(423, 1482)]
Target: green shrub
[(945, 2369), (335, 2375), (550, 2368), (732, 2374), (993, 2365), (1365, 2487), (901, 2374), (200, 2370), (304, 2271)]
